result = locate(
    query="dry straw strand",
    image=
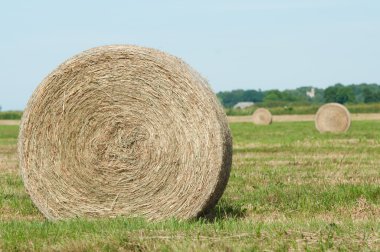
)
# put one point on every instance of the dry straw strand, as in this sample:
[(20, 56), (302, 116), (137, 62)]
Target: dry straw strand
[(124, 131), (332, 117), (262, 116)]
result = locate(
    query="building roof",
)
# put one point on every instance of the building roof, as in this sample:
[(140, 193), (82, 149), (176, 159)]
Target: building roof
[(243, 105)]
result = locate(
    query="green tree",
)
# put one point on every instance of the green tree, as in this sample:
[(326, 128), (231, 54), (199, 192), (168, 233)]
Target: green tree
[(339, 93), (344, 95), (272, 95), (330, 94), (371, 95), (230, 98)]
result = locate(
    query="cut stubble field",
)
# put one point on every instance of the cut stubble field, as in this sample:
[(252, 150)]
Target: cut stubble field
[(291, 188)]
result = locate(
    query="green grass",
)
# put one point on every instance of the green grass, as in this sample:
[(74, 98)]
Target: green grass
[(8, 132), (8, 135), (291, 188), (303, 109)]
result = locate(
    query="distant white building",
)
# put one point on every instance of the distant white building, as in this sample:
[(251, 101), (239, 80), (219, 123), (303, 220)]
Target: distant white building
[(311, 93), (243, 105)]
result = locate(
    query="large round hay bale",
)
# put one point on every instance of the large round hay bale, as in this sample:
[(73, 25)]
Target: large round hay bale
[(332, 117), (124, 130), (262, 116)]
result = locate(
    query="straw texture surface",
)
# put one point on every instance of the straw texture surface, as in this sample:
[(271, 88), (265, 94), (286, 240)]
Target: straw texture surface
[(262, 116), (332, 117), (124, 130)]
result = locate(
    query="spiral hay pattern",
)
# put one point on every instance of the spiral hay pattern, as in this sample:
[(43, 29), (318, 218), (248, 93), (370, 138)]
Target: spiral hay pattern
[(124, 130), (332, 117), (262, 116)]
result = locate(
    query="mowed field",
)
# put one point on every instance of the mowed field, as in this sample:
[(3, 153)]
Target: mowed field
[(291, 188)]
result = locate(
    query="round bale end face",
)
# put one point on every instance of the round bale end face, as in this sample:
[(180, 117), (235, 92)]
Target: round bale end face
[(262, 116), (332, 117), (124, 130)]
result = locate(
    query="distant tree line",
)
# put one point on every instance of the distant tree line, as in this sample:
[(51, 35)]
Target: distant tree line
[(10, 115), (354, 93)]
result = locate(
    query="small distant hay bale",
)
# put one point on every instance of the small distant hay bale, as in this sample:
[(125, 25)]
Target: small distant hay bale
[(332, 117), (262, 116), (124, 130)]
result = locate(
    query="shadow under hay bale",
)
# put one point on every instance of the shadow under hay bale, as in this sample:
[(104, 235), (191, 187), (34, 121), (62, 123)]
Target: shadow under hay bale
[(332, 117), (225, 210), (124, 130), (262, 116)]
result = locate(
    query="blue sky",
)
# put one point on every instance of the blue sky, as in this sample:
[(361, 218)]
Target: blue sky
[(234, 44)]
